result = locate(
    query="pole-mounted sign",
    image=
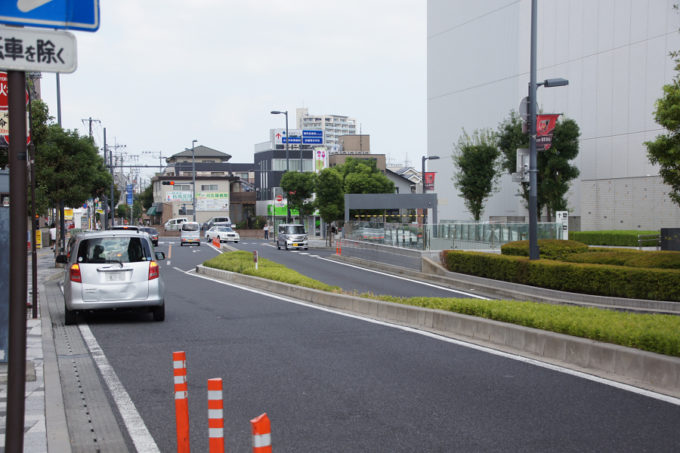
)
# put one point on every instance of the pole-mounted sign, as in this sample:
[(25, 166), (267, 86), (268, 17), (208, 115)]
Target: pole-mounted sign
[(37, 50), (65, 14)]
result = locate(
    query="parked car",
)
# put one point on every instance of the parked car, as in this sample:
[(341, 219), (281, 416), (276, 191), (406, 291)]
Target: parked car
[(292, 236), (222, 233), (112, 270), (190, 233), (175, 223), (153, 234), (214, 221)]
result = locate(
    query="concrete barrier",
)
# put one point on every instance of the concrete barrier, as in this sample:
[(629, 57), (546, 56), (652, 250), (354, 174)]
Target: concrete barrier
[(655, 372)]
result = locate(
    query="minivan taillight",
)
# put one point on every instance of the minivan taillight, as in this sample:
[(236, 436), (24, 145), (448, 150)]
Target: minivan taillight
[(75, 274), (153, 270)]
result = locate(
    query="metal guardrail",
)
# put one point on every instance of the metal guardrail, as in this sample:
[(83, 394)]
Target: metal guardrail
[(653, 239)]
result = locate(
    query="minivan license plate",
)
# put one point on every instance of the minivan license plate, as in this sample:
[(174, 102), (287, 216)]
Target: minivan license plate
[(115, 277)]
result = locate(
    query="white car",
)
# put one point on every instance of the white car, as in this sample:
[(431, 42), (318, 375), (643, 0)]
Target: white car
[(112, 270), (222, 233)]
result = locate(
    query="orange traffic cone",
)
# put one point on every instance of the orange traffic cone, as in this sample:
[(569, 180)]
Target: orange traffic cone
[(179, 364), (215, 416), (262, 434)]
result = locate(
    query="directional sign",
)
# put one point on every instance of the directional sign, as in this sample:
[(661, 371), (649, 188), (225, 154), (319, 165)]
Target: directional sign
[(24, 49), (66, 14)]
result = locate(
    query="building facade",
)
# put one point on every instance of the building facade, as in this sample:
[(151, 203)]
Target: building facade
[(333, 126), (615, 55)]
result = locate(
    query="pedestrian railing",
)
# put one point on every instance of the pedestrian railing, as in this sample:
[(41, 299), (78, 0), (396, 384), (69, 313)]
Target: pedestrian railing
[(649, 240)]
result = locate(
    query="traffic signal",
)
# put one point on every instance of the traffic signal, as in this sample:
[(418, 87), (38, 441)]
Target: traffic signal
[(168, 183)]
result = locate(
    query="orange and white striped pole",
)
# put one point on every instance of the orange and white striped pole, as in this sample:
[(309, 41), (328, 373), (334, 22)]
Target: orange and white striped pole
[(215, 416), (179, 365), (262, 434)]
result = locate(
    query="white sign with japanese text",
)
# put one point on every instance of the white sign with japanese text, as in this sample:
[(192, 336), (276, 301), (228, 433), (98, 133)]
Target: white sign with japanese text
[(23, 49)]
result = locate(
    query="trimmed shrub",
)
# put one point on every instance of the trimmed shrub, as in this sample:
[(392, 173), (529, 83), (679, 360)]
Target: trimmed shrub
[(629, 258), (655, 333), (626, 238), (604, 280), (552, 249)]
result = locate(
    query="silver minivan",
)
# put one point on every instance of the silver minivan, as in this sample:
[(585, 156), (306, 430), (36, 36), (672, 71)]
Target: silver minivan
[(112, 270), (190, 233), (292, 235)]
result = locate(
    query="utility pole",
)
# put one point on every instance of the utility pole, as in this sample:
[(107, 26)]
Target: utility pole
[(90, 120)]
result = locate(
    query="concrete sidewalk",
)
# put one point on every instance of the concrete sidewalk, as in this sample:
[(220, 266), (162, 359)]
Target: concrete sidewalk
[(41, 372)]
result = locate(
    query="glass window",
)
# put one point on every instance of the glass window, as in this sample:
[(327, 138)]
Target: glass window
[(114, 250), (209, 187)]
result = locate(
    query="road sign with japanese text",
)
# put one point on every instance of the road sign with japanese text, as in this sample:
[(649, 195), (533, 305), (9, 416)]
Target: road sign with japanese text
[(65, 14), (24, 49)]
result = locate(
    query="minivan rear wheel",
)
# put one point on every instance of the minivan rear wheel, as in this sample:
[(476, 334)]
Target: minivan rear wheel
[(70, 317), (158, 313)]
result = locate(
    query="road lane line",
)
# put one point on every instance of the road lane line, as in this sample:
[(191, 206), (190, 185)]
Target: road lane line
[(134, 423), (519, 358)]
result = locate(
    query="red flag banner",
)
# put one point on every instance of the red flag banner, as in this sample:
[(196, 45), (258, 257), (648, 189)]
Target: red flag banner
[(545, 124), (429, 180)]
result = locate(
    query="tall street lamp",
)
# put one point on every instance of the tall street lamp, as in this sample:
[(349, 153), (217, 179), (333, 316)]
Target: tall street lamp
[(285, 112), (422, 174), (533, 159), (193, 174)]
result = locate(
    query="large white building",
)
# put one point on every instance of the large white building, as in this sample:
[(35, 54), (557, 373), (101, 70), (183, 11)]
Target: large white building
[(333, 126), (615, 54)]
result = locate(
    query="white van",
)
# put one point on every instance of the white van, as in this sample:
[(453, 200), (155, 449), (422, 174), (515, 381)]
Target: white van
[(190, 233), (175, 223)]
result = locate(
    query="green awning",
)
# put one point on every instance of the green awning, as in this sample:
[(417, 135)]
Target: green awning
[(152, 211)]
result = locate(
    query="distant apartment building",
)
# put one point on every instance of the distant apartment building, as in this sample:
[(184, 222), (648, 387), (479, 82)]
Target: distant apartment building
[(333, 126)]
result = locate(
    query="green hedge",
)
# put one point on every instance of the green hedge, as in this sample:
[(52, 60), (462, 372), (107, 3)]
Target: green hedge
[(655, 333), (598, 279), (629, 258), (552, 249), (626, 238)]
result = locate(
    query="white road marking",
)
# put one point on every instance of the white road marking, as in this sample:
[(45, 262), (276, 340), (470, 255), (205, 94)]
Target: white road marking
[(134, 423), (549, 366), (432, 285)]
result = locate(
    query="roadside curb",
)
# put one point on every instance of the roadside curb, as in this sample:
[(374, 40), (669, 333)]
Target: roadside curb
[(642, 369)]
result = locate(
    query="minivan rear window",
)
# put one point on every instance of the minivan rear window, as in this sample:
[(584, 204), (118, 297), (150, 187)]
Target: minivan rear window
[(190, 226), (114, 250)]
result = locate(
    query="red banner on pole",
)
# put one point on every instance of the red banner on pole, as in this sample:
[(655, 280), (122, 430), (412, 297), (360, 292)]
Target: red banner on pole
[(545, 125), (429, 180)]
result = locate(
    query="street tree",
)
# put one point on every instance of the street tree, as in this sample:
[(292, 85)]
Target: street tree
[(664, 151), (476, 158), (555, 172), (354, 176), (70, 167), (330, 195), (299, 189), (146, 197)]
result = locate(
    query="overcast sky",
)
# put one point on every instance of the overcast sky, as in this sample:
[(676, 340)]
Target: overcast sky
[(160, 73)]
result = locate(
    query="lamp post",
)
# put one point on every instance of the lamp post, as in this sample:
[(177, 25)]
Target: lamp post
[(285, 112), (424, 190), (193, 174), (533, 159)]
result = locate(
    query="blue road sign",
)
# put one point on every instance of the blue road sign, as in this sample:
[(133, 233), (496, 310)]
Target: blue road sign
[(65, 14), (312, 133), (312, 140), (129, 194)]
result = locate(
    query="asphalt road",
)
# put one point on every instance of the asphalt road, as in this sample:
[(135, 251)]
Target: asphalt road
[(336, 383), (312, 263)]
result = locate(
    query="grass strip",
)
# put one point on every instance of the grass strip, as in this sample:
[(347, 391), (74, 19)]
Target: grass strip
[(242, 263), (648, 332)]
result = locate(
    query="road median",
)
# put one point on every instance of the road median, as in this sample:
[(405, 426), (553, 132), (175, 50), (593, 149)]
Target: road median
[(650, 371)]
